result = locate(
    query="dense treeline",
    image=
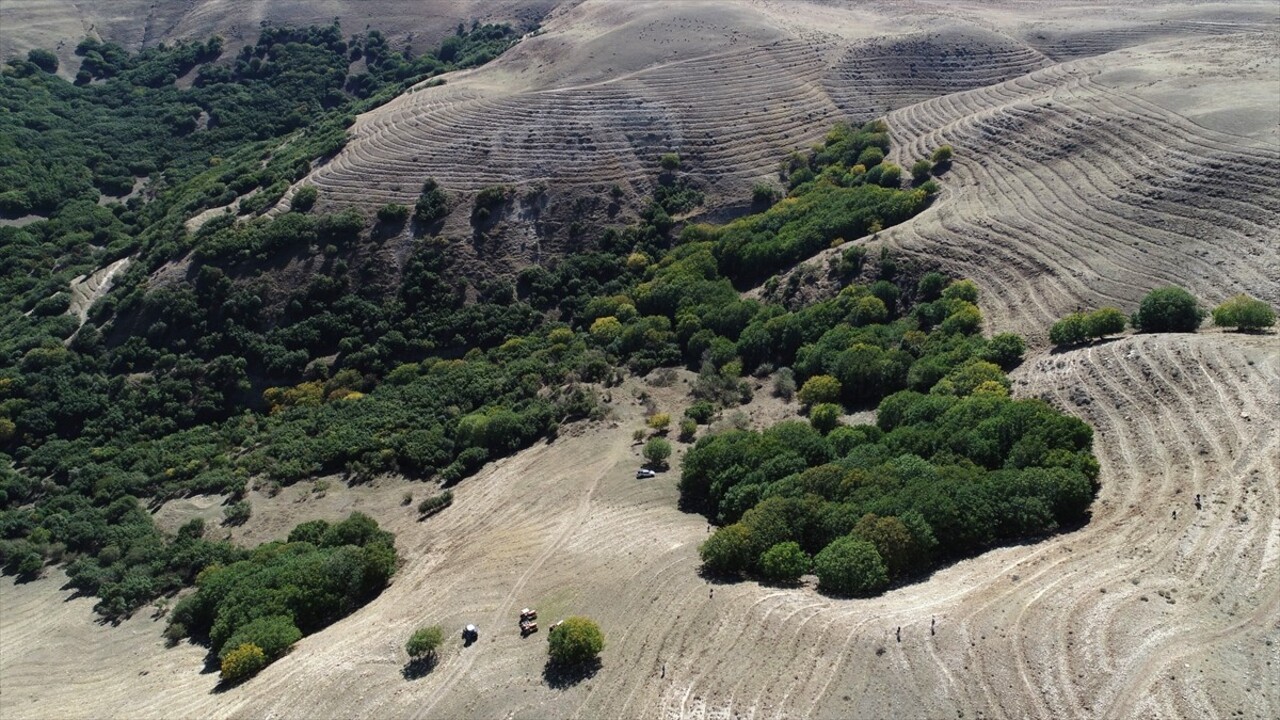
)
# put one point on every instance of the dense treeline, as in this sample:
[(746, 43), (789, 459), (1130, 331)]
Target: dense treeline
[(144, 400)]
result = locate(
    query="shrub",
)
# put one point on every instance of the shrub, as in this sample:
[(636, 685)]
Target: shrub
[(820, 389), (763, 194), (824, 417), (656, 451), (1168, 309), (393, 213), (890, 175), (784, 383), (785, 562), (669, 161), (700, 412), (688, 429), (304, 199), (871, 157), (424, 642), (237, 513), (243, 662), (920, 170), (435, 503), (1244, 313), (942, 155), (432, 203), (849, 566), (1079, 327), (659, 422), (577, 640)]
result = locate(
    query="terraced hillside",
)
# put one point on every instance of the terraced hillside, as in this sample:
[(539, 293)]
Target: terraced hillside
[(1086, 181), (1073, 188), (137, 24)]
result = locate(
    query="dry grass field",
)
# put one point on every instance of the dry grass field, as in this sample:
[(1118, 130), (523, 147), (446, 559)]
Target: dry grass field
[(1102, 149)]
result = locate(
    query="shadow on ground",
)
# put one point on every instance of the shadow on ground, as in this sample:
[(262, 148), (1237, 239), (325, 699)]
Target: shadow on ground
[(561, 677), (418, 668)]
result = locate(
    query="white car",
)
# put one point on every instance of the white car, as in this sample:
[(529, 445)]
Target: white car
[(645, 473)]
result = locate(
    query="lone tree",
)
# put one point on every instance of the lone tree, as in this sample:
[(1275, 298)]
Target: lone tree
[(577, 640), (1168, 309), (656, 451), (1244, 313), (424, 643), (670, 162)]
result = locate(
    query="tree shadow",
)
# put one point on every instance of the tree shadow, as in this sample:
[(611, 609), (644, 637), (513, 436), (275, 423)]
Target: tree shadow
[(562, 677), (418, 667)]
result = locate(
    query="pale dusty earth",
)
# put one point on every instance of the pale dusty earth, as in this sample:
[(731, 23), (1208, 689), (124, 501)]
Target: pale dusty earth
[(1102, 149)]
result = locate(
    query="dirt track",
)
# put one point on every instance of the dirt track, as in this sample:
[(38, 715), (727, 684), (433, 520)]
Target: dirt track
[(1078, 181)]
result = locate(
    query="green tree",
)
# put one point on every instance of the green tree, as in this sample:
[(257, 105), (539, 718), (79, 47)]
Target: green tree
[(728, 550), (966, 290), (820, 389), (688, 429), (893, 541), (930, 286), (425, 642), (577, 640), (825, 417), (1105, 321), (1070, 330), (43, 59), (243, 662), (942, 154), (1168, 309), (669, 161), (656, 451), (890, 175), (849, 566), (920, 171), (785, 562), (304, 199), (1005, 350), (432, 203), (1244, 313), (273, 635)]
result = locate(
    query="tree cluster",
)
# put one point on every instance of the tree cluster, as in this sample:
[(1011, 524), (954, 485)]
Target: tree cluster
[(253, 610)]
